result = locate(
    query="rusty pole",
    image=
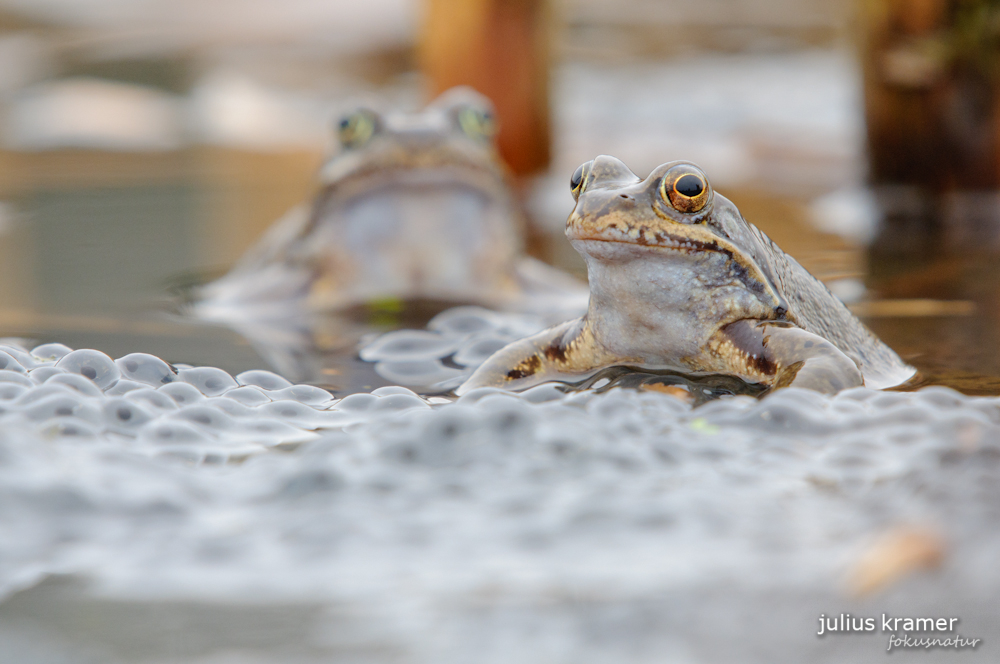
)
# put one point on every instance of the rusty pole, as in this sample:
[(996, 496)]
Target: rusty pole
[(501, 48)]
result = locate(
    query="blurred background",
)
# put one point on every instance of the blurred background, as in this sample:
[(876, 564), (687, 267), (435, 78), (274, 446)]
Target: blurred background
[(145, 144)]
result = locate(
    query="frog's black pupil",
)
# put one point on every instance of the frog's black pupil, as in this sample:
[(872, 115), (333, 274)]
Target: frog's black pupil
[(689, 185), (577, 178)]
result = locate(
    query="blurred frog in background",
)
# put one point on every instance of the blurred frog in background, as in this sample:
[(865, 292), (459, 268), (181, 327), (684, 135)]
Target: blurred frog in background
[(413, 207)]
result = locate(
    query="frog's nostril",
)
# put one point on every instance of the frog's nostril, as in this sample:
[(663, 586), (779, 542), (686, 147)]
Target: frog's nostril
[(625, 196)]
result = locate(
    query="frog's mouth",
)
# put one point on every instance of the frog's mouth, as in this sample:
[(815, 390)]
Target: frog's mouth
[(666, 241), (745, 270), (400, 193), (375, 180), (453, 161), (697, 240)]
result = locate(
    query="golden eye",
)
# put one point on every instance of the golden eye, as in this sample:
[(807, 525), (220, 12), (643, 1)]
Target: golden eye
[(578, 181), (685, 188), (477, 123), (357, 128)]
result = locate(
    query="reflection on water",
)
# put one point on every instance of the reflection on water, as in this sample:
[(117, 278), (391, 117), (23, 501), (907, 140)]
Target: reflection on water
[(97, 239), (956, 345)]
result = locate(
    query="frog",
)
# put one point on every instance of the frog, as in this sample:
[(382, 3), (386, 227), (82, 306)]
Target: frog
[(415, 213), (410, 206), (680, 281)]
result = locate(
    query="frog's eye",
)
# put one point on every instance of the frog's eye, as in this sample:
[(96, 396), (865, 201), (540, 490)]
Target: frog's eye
[(357, 128), (477, 123), (578, 181), (685, 188)]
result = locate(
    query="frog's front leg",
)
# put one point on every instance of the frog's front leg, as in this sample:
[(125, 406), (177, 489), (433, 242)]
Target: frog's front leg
[(567, 351), (786, 356)]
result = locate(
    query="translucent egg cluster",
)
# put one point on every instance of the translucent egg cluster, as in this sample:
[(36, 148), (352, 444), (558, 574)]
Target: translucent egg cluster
[(546, 526), (455, 342), (196, 413)]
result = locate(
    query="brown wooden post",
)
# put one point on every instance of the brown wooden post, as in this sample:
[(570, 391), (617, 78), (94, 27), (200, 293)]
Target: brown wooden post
[(500, 48), (900, 78), (932, 105)]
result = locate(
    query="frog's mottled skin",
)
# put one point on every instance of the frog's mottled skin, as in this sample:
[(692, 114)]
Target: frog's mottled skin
[(686, 284), (412, 206)]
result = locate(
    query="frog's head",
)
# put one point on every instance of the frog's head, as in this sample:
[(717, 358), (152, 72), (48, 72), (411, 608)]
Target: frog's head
[(415, 205), (667, 254), (455, 131)]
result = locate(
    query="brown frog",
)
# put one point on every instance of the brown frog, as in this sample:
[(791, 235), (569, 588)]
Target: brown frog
[(415, 214), (412, 206), (679, 281)]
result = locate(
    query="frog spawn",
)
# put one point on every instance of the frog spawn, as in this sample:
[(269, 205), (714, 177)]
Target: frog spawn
[(455, 342), (492, 512), (497, 513), (458, 340), (200, 414)]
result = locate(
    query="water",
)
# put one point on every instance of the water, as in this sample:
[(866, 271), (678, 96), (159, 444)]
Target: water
[(210, 511)]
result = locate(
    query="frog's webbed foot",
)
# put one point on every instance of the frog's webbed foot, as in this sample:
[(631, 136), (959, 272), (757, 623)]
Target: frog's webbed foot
[(564, 352), (792, 356)]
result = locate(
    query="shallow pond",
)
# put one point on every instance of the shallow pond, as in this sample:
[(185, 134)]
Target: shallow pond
[(222, 515)]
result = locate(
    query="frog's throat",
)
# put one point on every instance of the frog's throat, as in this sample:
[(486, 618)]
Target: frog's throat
[(683, 240)]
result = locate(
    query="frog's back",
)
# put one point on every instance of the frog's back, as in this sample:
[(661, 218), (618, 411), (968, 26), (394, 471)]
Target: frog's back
[(815, 309)]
